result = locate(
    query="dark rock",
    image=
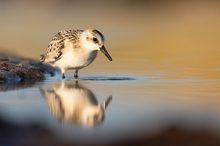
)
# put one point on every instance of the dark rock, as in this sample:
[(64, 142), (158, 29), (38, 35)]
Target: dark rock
[(16, 70)]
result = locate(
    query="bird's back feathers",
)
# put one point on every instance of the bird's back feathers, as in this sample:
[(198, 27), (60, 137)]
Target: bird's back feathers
[(56, 46)]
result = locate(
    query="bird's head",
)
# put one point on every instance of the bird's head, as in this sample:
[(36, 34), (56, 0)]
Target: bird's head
[(94, 40)]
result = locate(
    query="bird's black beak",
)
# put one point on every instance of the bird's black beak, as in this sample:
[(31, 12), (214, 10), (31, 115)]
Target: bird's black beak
[(105, 52)]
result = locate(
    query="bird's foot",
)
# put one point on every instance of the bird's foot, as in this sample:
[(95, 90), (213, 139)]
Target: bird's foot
[(63, 76), (76, 76)]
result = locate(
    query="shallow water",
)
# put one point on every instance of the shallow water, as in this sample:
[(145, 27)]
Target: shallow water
[(72, 109)]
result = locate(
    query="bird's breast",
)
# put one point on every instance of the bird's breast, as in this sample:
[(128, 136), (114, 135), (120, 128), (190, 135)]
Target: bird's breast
[(77, 58)]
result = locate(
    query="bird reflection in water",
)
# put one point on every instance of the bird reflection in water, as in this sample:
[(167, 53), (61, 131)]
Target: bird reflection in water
[(72, 103)]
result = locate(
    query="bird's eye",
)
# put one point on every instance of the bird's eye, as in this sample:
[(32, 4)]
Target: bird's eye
[(95, 40)]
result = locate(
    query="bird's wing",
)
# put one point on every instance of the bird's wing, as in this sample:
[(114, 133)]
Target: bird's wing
[(57, 44), (54, 50)]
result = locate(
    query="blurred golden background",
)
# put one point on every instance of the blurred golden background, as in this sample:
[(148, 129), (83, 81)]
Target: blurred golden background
[(179, 38)]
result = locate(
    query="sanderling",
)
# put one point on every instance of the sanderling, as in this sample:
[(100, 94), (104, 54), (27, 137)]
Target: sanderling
[(74, 49)]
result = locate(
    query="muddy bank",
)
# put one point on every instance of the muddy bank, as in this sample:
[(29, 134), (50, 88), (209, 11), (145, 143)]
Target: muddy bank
[(37, 135), (17, 70)]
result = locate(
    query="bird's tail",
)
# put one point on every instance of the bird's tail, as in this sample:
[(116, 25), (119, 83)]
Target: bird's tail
[(42, 58)]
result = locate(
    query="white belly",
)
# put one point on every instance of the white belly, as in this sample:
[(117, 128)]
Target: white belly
[(75, 58)]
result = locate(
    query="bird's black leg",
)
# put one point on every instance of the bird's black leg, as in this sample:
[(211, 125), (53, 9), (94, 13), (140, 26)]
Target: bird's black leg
[(63, 76), (76, 74)]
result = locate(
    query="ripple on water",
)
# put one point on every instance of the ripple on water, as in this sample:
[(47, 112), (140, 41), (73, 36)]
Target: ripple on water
[(105, 78)]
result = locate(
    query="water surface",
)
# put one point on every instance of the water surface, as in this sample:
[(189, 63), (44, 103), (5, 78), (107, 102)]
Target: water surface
[(73, 111)]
